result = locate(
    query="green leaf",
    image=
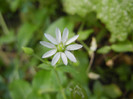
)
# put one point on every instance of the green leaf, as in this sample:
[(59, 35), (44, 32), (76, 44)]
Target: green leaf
[(14, 4), (81, 7), (45, 66), (45, 81), (28, 50), (83, 35), (79, 73), (25, 34), (123, 47), (104, 50), (112, 91), (98, 88), (117, 16), (78, 92), (9, 38), (61, 23), (19, 89), (66, 69), (35, 95)]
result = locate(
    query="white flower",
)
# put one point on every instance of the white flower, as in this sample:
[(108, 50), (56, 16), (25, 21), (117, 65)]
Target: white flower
[(60, 47)]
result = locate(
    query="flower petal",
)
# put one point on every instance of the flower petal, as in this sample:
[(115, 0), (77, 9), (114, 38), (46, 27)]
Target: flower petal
[(58, 35), (64, 58), (65, 35), (70, 56), (55, 58), (49, 53), (46, 44), (72, 39), (74, 47), (50, 38)]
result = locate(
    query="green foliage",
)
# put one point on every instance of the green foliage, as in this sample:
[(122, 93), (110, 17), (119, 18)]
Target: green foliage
[(28, 50), (78, 92), (111, 90), (14, 4), (19, 89), (24, 77), (118, 47), (116, 15), (44, 82), (25, 33), (104, 49), (45, 66), (62, 22), (123, 47), (35, 95), (83, 35), (80, 7), (6, 39)]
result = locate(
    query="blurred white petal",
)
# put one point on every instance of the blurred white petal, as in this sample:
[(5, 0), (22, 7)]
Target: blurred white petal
[(93, 75), (58, 35), (74, 47), (46, 44), (49, 53), (65, 35), (72, 39), (70, 56), (50, 38), (55, 58), (64, 58), (93, 44)]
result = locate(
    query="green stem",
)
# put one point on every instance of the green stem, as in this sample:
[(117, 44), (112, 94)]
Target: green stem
[(59, 82), (85, 46), (87, 49), (3, 24), (91, 61)]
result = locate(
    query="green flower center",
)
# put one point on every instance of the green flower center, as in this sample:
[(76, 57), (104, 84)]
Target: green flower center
[(60, 47)]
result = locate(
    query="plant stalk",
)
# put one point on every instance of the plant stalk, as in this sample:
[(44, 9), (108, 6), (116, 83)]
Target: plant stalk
[(91, 61), (59, 82), (3, 24)]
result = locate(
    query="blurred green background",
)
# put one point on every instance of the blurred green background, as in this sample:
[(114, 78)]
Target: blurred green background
[(24, 22)]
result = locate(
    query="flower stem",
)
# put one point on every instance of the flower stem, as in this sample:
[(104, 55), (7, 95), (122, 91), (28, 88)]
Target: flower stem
[(59, 82), (91, 61), (87, 49), (3, 24), (85, 46)]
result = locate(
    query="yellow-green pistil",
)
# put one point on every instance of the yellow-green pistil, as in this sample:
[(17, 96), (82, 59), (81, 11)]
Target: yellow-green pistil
[(60, 47)]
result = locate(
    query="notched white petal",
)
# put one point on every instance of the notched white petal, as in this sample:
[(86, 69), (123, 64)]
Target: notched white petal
[(72, 39), (49, 53), (55, 58), (65, 35), (70, 56), (58, 35), (74, 47), (50, 38), (46, 44), (64, 58)]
